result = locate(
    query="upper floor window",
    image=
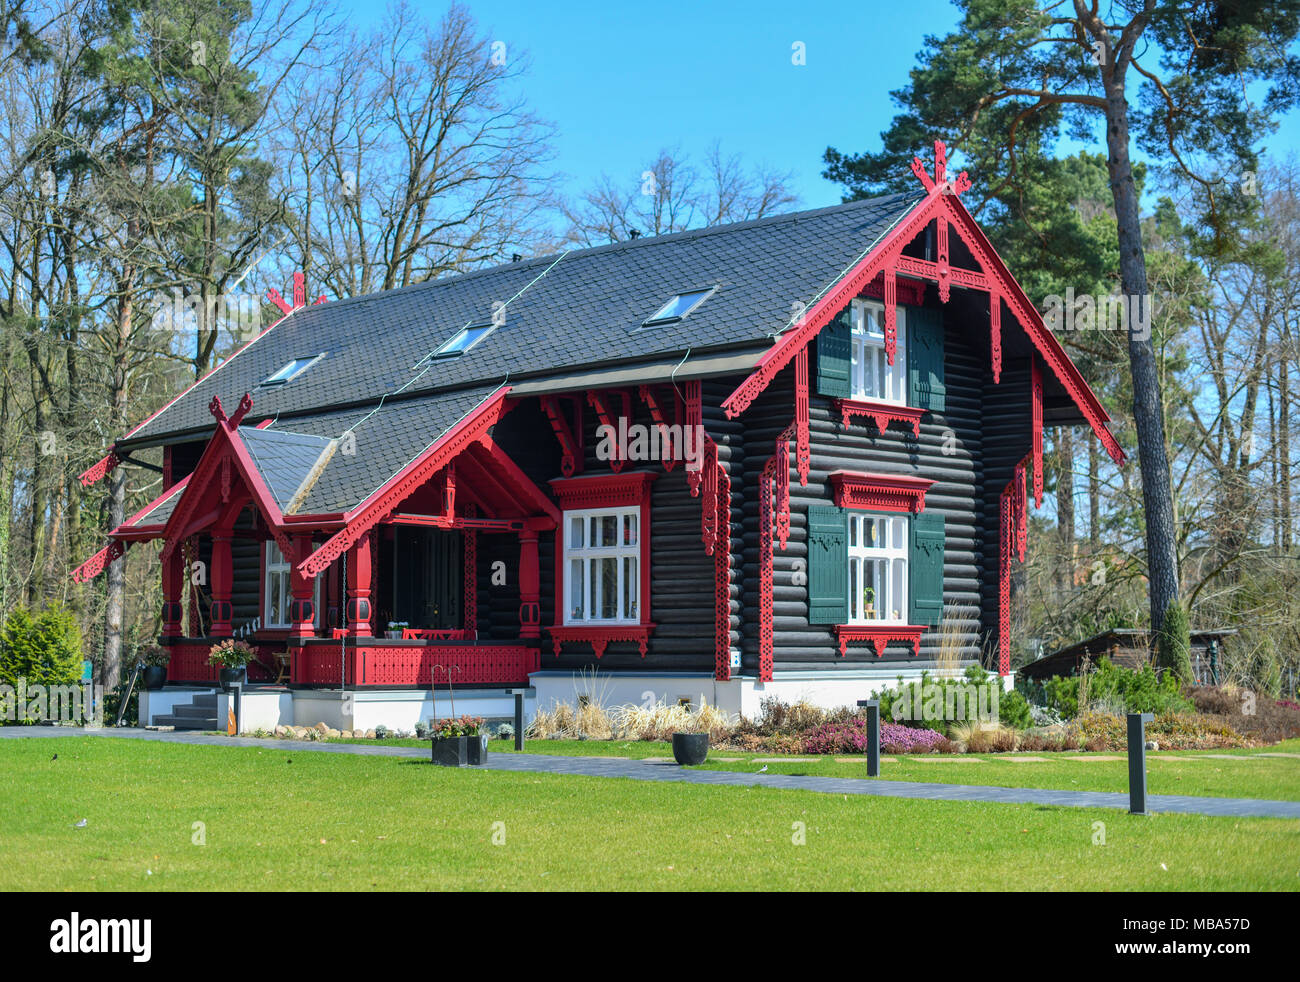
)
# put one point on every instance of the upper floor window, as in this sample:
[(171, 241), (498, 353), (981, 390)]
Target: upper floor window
[(878, 554), (871, 375)]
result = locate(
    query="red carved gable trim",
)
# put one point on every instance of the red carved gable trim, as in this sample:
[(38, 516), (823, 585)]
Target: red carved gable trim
[(880, 492)]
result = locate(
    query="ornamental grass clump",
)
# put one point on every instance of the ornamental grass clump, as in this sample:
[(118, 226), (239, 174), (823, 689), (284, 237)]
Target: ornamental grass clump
[(661, 721)]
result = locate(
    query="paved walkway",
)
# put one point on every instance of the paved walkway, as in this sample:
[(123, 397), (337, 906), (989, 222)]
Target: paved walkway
[(659, 771)]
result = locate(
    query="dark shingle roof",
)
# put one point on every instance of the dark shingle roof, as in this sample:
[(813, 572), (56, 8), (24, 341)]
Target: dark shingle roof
[(564, 312)]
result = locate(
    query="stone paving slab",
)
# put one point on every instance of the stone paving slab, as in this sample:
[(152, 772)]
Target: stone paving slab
[(619, 767)]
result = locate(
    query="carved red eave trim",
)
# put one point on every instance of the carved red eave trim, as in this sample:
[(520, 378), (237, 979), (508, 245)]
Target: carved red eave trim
[(880, 635), (883, 413), (880, 492), (381, 502), (599, 637), (100, 561)]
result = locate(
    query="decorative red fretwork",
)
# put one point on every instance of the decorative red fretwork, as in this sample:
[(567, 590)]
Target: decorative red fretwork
[(1012, 539), (599, 637), (781, 502), (883, 413), (695, 423), (100, 469), (1036, 411), (299, 295), (879, 635), (469, 575), (722, 580), (709, 503), (414, 663), (995, 333), (99, 562), (658, 417), (767, 506), (803, 450), (603, 490), (880, 492), (599, 401)]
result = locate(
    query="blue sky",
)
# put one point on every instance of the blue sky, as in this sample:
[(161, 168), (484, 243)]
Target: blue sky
[(621, 80)]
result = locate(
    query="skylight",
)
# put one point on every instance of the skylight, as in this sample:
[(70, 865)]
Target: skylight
[(678, 307), (292, 370), (463, 340)]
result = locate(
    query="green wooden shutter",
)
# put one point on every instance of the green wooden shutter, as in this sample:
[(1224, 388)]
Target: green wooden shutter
[(925, 568), (828, 565), (925, 388), (834, 356)]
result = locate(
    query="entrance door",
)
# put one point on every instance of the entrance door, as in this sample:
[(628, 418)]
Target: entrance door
[(427, 577)]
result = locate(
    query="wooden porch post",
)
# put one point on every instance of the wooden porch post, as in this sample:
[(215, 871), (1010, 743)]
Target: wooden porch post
[(301, 612), (359, 571), (172, 575), (530, 611), (222, 581)]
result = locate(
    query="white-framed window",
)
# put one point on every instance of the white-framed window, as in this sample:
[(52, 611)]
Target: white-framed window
[(877, 568), (872, 376), (602, 566), (277, 589)]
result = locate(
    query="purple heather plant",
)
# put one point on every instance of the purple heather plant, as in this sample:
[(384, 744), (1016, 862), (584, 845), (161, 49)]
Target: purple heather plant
[(851, 738)]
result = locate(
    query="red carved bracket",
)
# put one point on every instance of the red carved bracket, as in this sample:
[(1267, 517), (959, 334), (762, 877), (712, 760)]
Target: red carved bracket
[(599, 637), (880, 492), (694, 419), (99, 470), (647, 394), (598, 401), (879, 635), (882, 412), (99, 562), (910, 293), (1036, 411)]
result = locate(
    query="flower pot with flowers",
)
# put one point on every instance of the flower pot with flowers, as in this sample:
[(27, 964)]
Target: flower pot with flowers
[(395, 628), (156, 658), (458, 742), (232, 656)]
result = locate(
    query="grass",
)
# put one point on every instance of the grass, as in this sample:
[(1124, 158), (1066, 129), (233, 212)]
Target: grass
[(1187, 772), (278, 819)]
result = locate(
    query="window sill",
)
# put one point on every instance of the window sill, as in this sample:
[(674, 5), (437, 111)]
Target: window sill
[(880, 635), (882, 412), (599, 636)]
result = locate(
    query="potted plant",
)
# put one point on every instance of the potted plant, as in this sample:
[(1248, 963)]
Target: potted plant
[(156, 658), (459, 742), (233, 656), (394, 632), (690, 749), (869, 603)]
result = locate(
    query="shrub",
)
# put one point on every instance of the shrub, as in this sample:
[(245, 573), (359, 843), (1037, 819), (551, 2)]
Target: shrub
[(42, 650), (155, 656), (1128, 690), (1013, 709), (381, 732)]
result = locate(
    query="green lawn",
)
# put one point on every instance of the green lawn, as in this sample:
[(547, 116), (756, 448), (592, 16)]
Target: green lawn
[(1248, 775), (287, 819)]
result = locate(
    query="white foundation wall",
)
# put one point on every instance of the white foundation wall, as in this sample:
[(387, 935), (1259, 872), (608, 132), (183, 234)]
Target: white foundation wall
[(741, 696)]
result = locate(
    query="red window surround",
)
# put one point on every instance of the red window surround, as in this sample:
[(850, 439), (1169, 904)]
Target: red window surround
[(603, 491), (880, 492)]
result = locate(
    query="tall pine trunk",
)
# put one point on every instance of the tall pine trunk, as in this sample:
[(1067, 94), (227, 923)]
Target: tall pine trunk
[(1148, 403)]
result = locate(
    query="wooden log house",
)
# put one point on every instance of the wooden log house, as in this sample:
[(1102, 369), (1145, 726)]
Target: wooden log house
[(829, 424)]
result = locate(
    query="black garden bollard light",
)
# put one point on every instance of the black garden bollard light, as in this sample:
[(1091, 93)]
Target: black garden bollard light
[(1137, 762), (519, 719), (873, 735)]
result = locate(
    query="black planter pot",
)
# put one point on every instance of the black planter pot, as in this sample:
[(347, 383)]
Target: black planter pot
[(452, 751), (154, 676), (690, 749), (229, 676), (478, 749)]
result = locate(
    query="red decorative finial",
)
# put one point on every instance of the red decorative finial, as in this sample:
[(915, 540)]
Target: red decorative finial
[(940, 183), (299, 295), (245, 404), (214, 407)]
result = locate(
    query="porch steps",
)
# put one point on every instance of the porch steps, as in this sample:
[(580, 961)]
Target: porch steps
[(199, 714)]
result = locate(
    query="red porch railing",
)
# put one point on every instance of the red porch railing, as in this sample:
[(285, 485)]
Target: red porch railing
[(413, 664), (189, 662)]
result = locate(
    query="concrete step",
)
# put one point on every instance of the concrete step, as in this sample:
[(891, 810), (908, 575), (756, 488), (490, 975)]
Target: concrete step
[(191, 710), (187, 722), (205, 699)]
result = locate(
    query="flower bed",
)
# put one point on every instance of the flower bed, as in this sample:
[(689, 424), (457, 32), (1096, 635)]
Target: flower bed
[(851, 738)]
